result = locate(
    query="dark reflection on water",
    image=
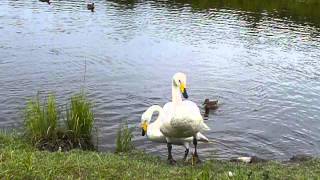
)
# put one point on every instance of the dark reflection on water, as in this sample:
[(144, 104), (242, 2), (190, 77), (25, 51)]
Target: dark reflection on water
[(260, 60), (305, 11)]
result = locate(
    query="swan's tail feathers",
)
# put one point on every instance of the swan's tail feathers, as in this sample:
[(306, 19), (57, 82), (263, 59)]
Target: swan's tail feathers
[(204, 127), (202, 138)]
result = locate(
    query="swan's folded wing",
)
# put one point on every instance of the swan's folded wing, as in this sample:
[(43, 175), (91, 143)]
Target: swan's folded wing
[(202, 138), (194, 112), (204, 127), (166, 129), (183, 120)]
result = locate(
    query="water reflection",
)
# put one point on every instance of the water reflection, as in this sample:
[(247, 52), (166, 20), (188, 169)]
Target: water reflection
[(299, 11)]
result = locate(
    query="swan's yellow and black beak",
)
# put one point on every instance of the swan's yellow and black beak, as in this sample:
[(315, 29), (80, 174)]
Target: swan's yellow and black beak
[(144, 127), (183, 90)]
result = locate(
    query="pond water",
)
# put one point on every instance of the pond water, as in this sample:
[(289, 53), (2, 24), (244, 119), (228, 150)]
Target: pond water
[(261, 60)]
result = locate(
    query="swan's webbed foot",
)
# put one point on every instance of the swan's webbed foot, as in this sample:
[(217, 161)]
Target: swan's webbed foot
[(195, 159), (172, 161)]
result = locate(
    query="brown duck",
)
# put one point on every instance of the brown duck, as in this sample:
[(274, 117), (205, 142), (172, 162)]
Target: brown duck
[(209, 105), (90, 7), (47, 1)]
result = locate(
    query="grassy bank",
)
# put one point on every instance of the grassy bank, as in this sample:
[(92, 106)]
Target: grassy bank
[(22, 161)]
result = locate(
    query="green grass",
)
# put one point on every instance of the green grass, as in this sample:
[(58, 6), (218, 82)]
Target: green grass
[(19, 160), (41, 119), (124, 139), (80, 118)]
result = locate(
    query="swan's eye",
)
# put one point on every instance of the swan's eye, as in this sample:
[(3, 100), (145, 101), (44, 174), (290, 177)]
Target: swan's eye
[(179, 81)]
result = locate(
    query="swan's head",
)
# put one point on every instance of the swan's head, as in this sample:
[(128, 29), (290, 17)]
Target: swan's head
[(180, 81), (145, 120)]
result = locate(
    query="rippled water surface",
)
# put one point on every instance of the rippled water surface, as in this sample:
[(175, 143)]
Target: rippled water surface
[(262, 63)]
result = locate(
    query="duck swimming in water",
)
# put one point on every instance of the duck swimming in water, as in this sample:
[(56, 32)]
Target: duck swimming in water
[(47, 1), (90, 7), (209, 105)]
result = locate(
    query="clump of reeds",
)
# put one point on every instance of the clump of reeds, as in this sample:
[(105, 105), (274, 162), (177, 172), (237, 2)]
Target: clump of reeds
[(124, 139), (41, 119), (80, 119)]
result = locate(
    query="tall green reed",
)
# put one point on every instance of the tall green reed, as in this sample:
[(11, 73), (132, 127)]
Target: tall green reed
[(80, 118), (124, 138), (41, 119)]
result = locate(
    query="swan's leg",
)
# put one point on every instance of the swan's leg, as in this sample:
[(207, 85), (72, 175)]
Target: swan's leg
[(185, 155), (186, 145), (195, 154), (170, 159), (195, 143)]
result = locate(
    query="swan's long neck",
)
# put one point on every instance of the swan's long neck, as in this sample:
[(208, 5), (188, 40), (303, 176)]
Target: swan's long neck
[(153, 109), (176, 95)]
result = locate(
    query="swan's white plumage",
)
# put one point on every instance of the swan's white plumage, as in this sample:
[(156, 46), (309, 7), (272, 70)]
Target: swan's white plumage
[(183, 118), (179, 122), (154, 133)]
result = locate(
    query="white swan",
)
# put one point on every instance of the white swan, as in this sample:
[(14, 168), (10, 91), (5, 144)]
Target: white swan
[(152, 130), (183, 118)]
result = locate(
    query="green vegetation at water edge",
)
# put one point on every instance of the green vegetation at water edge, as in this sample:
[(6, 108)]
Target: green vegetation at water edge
[(19, 160), (41, 119), (80, 119), (124, 139), (44, 127)]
